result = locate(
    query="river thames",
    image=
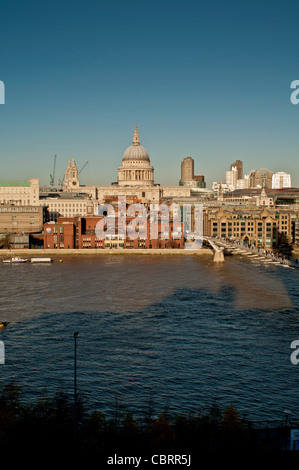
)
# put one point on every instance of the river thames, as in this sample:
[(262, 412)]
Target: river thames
[(180, 332)]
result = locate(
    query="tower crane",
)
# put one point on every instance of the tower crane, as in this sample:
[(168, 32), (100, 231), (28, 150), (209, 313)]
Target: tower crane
[(83, 167), (52, 177)]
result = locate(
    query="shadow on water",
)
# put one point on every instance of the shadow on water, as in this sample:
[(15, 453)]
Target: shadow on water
[(184, 350)]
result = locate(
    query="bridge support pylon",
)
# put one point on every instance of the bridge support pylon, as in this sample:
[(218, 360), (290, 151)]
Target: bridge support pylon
[(219, 256)]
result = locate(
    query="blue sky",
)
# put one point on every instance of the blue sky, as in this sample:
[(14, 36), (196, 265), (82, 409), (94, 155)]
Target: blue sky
[(210, 80)]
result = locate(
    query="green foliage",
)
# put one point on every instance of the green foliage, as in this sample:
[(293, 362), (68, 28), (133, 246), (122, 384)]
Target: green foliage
[(161, 434), (10, 398), (231, 419), (49, 424)]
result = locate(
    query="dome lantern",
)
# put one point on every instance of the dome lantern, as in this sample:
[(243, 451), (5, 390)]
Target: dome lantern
[(136, 140)]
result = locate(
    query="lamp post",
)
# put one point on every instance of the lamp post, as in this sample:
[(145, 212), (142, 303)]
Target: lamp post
[(75, 388), (286, 413)]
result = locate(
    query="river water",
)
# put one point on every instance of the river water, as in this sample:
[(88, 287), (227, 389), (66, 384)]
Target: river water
[(176, 331)]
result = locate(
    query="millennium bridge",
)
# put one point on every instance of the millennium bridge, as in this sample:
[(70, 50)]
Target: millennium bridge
[(222, 247)]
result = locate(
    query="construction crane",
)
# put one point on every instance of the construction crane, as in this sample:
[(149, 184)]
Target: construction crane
[(61, 180), (82, 168), (52, 177)]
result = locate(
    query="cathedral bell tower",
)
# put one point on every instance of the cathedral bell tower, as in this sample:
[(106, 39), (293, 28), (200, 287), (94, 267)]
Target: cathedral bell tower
[(71, 177)]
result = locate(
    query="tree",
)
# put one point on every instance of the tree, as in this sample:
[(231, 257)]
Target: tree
[(230, 419)]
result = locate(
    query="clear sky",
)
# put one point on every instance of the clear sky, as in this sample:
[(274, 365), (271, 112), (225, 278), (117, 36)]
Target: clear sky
[(210, 80)]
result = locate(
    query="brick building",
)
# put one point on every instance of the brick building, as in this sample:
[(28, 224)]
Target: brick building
[(84, 232), (60, 234)]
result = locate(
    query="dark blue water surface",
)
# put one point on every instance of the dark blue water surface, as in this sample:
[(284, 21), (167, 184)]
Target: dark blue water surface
[(178, 331)]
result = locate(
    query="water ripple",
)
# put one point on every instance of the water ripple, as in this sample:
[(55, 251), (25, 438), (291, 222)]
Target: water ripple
[(178, 329)]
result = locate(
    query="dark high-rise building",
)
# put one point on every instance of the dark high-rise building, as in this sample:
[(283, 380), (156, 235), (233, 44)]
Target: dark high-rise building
[(239, 165), (187, 170), (188, 178)]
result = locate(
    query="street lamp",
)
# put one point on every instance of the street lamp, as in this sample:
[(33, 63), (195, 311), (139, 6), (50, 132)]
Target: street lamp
[(287, 424), (75, 387)]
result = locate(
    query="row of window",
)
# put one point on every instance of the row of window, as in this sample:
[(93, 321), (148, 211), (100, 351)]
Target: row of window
[(20, 202), (18, 209), (67, 204), (61, 229), (18, 189)]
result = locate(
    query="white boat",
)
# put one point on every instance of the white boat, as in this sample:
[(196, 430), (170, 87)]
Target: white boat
[(15, 259), (40, 260)]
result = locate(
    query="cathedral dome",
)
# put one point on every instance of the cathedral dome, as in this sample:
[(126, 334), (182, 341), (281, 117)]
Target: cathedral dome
[(136, 152)]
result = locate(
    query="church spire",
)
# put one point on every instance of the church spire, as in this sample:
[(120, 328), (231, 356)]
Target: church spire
[(74, 165), (136, 136)]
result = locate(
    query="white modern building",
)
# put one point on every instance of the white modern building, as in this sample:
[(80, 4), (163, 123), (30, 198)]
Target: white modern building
[(281, 180), (243, 183), (232, 178)]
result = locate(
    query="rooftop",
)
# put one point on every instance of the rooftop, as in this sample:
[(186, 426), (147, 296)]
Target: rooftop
[(14, 183)]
